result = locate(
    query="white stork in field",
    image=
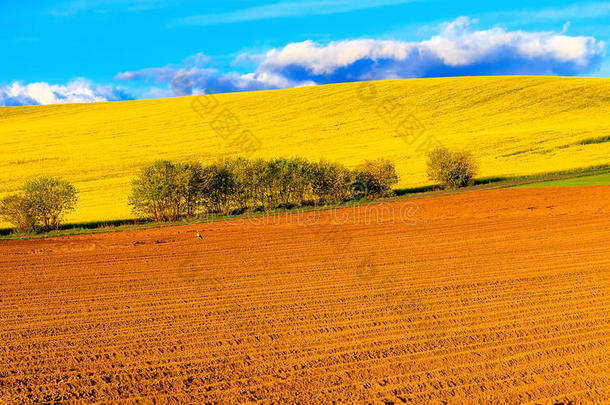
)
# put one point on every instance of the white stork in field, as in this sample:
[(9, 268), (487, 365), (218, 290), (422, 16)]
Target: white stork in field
[(199, 235)]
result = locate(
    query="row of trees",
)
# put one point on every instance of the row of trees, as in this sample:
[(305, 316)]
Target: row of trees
[(167, 190)]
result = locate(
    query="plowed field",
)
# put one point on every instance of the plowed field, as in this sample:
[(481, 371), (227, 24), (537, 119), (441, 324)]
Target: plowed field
[(494, 296)]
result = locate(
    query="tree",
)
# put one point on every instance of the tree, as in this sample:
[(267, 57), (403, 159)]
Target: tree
[(330, 182), (242, 192), (190, 180), (159, 191), (218, 186), (288, 181), (259, 182), (18, 210), (43, 201), (49, 199), (378, 176), (452, 169), (274, 182)]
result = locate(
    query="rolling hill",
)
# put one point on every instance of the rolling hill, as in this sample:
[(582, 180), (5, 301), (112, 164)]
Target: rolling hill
[(514, 125)]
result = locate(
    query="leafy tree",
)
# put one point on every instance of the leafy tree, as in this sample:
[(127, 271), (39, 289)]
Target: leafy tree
[(259, 179), (378, 176), (289, 184), (18, 210), (190, 180), (452, 169), (218, 186), (304, 185), (330, 182), (159, 191), (273, 181), (50, 199), (242, 193)]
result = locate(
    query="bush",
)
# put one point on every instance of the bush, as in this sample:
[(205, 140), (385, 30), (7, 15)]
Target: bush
[(240, 194), (17, 210), (50, 200), (42, 202), (256, 177), (288, 181), (376, 177), (330, 182), (452, 169), (218, 186), (161, 191), (190, 180)]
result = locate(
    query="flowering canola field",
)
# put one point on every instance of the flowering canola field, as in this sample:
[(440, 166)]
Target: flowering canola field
[(514, 125)]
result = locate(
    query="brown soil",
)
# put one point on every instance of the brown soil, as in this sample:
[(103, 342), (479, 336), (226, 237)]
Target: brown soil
[(494, 296)]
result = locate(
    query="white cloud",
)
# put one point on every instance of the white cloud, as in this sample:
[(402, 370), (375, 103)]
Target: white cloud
[(456, 50), (76, 91)]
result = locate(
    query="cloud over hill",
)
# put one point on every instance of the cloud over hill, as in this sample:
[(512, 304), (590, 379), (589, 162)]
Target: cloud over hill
[(456, 51), (76, 91)]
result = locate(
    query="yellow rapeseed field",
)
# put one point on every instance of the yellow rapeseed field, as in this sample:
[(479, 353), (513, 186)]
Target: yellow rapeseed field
[(514, 125)]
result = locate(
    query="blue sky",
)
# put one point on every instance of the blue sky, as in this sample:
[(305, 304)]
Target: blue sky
[(98, 50)]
